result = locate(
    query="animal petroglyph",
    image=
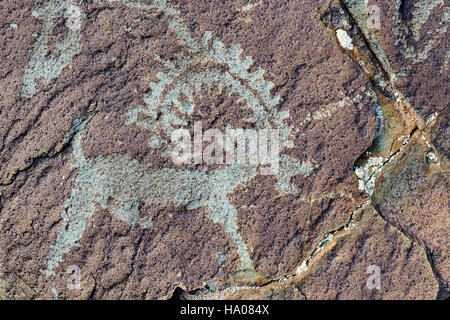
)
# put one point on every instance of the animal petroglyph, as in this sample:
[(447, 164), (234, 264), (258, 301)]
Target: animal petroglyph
[(42, 66), (120, 184), (129, 183), (420, 14)]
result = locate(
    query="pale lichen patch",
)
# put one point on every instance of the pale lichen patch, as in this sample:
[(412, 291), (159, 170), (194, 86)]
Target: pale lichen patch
[(249, 6), (344, 39)]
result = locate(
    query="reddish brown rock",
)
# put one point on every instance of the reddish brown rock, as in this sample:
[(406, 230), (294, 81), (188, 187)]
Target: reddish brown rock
[(411, 40), (107, 73), (269, 292), (440, 136), (348, 269), (92, 205), (412, 194)]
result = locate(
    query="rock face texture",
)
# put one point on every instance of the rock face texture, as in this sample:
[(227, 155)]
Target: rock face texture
[(352, 204), (412, 44), (412, 194)]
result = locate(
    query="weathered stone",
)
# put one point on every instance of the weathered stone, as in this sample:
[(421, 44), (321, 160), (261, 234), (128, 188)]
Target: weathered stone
[(269, 292), (412, 194), (92, 92), (345, 270), (288, 293), (411, 41), (173, 224), (440, 136), (346, 267)]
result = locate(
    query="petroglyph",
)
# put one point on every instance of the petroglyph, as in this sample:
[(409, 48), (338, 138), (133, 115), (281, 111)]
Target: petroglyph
[(42, 65), (93, 91), (121, 185), (420, 15)]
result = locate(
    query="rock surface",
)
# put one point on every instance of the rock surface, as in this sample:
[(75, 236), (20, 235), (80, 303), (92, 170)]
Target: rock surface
[(342, 269), (93, 207), (412, 44)]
